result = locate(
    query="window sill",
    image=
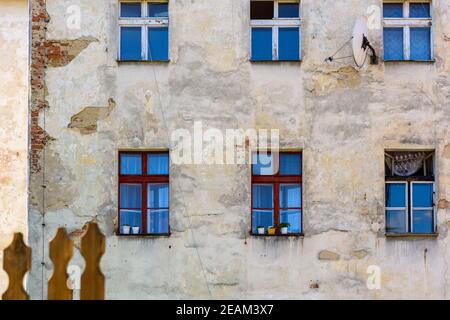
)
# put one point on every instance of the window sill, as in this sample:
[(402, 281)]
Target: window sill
[(291, 235), (276, 61), (412, 235), (162, 235), (410, 61), (143, 61)]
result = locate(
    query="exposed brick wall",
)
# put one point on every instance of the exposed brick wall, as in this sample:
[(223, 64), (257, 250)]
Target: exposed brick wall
[(39, 62)]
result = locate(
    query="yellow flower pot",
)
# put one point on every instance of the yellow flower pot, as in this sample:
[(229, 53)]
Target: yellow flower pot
[(272, 231)]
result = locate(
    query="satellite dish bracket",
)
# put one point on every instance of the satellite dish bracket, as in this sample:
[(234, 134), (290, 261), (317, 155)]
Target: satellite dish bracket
[(373, 56)]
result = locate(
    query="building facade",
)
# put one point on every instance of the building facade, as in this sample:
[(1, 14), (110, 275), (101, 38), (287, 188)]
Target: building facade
[(113, 82)]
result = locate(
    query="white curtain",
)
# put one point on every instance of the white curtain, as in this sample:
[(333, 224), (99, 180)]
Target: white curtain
[(405, 164)]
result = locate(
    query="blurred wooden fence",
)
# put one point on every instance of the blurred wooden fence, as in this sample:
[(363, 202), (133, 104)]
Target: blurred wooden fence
[(17, 262)]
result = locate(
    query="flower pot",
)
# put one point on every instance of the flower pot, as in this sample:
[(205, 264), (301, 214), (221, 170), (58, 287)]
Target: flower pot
[(136, 230), (272, 231), (284, 230), (261, 231), (126, 229)]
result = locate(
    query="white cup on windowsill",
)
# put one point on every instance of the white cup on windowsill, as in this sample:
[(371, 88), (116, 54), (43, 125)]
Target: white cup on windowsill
[(126, 229), (136, 230)]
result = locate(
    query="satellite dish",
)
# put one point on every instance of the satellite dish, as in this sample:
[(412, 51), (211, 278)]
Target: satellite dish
[(360, 43)]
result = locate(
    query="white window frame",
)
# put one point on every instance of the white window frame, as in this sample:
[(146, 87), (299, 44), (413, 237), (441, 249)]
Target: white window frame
[(406, 23), (275, 24), (145, 23), (405, 209), (411, 204)]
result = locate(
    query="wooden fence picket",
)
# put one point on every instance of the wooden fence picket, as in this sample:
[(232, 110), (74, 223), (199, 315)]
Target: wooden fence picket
[(61, 251), (16, 263), (92, 249)]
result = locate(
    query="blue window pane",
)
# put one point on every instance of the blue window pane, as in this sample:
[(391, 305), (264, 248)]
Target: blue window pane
[(288, 10), (158, 221), (420, 44), (158, 39), (130, 164), (289, 44), (393, 44), (158, 164), (130, 10), (396, 221), (158, 10), (261, 44), (423, 221), (263, 164), (290, 164), (422, 195), (131, 218), (158, 196), (395, 195), (290, 196), (293, 217), (130, 43), (419, 10), (393, 10), (262, 196), (130, 196), (261, 218)]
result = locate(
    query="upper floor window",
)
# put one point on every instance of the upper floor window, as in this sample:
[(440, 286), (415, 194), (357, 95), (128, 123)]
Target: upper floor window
[(144, 193), (275, 31), (410, 206), (277, 193), (407, 31), (144, 31)]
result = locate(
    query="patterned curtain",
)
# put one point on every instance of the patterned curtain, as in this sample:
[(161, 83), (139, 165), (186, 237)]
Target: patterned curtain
[(405, 164)]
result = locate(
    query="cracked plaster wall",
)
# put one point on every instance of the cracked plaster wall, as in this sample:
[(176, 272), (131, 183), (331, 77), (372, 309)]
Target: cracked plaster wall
[(342, 118)]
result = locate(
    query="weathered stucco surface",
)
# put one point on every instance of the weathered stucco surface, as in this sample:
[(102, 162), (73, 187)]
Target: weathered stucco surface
[(342, 118), (13, 123)]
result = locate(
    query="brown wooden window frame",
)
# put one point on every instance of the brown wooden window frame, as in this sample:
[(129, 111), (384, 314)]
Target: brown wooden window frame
[(277, 180), (144, 179)]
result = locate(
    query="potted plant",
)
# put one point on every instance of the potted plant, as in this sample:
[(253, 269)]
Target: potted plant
[(261, 230), (284, 228), (126, 229), (136, 230), (272, 231)]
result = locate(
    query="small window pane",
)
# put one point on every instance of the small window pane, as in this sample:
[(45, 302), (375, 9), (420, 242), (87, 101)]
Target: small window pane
[(393, 44), (395, 195), (130, 43), (289, 44), (130, 164), (423, 221), (262, 196), (393, 10), (158, 39), (158, 221), (422, 195), (290, 196), (262, 218), (158, 10), (130, 196), (158, 196), (420, 44), (131, 218), (289, 10), (419, 10), (293, 217), (290, 164), (158, 164), (396, 221), (130, 10), (261, 9), (261, 44), (263, 164)]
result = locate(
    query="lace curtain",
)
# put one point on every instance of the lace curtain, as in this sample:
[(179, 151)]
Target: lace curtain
[(405, 164)]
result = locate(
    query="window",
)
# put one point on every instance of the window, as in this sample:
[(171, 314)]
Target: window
[(407, 31), (144, 31), (275, 31), (410, 193), (277, 192), (144, 193)]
